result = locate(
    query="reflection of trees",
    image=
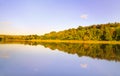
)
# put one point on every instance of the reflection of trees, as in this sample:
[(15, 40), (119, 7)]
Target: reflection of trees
[(0, 39), (100, 51)]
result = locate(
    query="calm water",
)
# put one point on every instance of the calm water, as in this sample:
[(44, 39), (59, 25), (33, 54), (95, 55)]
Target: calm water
[(59, 59)]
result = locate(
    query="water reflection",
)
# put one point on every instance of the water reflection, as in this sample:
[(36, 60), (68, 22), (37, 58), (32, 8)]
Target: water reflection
[(100, 51), (5, 56), (84, 65), (53, 60), (109, 52)]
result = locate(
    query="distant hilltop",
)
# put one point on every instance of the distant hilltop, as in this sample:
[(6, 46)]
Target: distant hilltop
[(98, 32)]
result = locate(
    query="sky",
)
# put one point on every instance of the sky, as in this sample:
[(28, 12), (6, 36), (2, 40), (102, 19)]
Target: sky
[(42, 16)]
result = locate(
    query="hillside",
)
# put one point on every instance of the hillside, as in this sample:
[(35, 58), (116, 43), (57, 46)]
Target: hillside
[(98, 32), (107, 32)]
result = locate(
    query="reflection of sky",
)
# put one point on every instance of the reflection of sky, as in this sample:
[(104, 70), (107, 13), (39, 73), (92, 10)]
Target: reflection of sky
[(39, 61)]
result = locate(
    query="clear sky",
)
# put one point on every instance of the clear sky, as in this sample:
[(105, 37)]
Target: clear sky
[(42, 16)]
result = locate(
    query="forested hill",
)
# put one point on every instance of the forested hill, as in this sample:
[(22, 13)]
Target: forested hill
[(107, 32), (99, 32)]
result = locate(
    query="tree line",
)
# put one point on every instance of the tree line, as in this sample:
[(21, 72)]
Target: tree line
[(99, 32)]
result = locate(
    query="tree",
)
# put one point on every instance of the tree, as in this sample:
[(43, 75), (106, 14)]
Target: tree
[(108, 36), (118, 34)]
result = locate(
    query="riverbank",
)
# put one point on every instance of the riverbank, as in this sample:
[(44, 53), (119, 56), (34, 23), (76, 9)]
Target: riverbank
[(78, 41), (67, 41)]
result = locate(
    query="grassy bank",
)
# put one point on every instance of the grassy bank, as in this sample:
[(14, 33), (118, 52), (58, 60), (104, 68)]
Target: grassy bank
[(78, 41), (70, 41)]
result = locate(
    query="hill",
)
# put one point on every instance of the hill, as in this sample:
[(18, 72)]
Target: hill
[(98, 32), (101, 32)]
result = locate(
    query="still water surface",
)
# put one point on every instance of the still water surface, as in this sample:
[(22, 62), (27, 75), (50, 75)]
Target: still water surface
[(59, 59)]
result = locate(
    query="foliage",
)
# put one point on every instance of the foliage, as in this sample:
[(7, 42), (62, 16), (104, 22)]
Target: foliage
[(99, 32)]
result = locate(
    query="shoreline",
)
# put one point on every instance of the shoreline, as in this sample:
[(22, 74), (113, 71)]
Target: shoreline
[(67, 41)]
